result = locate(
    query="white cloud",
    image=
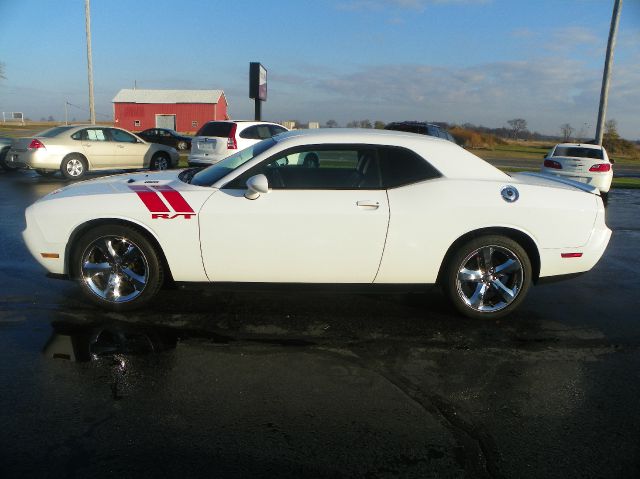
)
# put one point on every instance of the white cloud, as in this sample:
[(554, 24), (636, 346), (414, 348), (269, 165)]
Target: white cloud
[(546, 92)]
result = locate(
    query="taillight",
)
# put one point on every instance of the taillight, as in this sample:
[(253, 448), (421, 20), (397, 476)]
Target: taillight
[(232, 144), (35, 144), (552, 164), (601, 167)]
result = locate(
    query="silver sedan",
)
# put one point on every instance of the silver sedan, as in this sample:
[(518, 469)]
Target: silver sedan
[(74, 150)]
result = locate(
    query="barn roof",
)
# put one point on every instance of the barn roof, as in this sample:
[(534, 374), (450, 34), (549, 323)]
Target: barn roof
[(128, 95)]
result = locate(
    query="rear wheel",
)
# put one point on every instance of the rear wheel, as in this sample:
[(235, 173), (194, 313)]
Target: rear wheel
[(605, 197), (73, 167), (488, 277), (160, 161), (3, 163), (118, 267)]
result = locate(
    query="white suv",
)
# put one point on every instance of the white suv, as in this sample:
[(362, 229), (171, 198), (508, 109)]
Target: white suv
[(218, 139)]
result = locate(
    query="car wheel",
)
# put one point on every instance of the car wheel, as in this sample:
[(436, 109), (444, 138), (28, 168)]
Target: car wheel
[(605, 197), (73, 167), (3, 163), (160, 161), (182, 145), (488, 277), (118, 267), (46, 172)]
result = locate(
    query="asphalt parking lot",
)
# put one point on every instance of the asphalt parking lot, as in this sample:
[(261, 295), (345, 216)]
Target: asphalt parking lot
[(318, 384)]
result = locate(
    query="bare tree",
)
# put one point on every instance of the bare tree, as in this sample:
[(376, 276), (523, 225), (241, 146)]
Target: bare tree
[(365, 124), (353, 124), (611, 128), (567, 131), (379, 125), (517, 125), (332, 124)]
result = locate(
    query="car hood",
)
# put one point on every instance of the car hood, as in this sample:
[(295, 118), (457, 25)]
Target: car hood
[(123, 183)]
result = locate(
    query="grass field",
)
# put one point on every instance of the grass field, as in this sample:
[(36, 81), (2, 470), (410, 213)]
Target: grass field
[(531, 152)]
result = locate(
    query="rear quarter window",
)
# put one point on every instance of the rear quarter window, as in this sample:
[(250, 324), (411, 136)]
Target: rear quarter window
[(400, 166), (215, 129)]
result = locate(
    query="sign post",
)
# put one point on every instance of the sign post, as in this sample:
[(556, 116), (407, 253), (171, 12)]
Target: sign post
[(257, 87)]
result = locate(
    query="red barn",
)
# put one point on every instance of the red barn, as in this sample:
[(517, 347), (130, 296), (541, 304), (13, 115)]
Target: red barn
[(180, 110)]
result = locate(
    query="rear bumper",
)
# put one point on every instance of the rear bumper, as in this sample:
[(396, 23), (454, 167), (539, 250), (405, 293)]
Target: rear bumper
[(573, 260), (34, 159), (602, 181)]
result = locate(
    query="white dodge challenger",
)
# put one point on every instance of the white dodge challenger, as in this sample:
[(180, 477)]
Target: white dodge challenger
[(340, 207)]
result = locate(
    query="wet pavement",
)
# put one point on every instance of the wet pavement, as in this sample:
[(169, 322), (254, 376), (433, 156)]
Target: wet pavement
[(318, 384)]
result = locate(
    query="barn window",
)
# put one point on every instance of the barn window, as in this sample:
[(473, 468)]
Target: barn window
[(136, 122), (194, 124)]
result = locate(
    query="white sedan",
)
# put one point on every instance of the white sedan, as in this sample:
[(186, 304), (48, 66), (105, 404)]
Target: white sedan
[(378, 209), (581, 162)]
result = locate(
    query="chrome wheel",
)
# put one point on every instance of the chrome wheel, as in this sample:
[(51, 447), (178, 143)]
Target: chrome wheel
[(115, 269), (74, 167), (490, 278)]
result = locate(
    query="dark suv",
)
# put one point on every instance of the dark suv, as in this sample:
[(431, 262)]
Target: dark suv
[(421, 128)]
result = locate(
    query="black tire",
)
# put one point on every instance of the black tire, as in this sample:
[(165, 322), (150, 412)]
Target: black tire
[(487, 277), (181, 146), (117, 267), (46, 172), (605, 197), (3, 163), (160, 161), (73, 167)]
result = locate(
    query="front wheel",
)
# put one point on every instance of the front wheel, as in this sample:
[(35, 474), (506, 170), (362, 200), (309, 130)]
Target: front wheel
[(160, 162), (118, 267), (487, 277)]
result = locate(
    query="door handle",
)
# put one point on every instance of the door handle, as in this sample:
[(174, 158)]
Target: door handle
[(368, 204)]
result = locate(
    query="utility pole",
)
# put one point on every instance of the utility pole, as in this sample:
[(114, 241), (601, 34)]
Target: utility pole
[(87, 13), (606, 76), (66, 112)]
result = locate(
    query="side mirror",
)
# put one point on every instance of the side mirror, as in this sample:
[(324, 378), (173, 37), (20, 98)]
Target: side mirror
[(256, 185)]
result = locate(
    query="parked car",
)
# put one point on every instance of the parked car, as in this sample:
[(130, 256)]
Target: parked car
[(382, 209), (167, 137), (218, 139), (75, 150), (582, 162), (420, 128), (5, 146)]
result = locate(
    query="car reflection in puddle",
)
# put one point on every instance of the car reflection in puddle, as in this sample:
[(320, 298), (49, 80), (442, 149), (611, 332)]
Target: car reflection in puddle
[(111, 344), (84, 342)]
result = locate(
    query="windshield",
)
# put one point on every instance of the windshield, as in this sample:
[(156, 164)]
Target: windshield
[(578, 152), (213, 173)]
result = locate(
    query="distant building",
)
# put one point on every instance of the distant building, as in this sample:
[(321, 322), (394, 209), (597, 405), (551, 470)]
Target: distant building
[(180, 110), (289, 125), (314, 125)]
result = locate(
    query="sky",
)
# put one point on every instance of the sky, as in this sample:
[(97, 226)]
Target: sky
[(459, 61)]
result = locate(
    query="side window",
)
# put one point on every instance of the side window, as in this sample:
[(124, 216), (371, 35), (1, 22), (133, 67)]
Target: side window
[(93, 134), (122, 136), (276, 130), (250, 133), (400, 167), (322, 168)]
